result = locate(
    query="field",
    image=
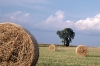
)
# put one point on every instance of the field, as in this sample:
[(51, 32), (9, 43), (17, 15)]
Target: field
[(66, 56)]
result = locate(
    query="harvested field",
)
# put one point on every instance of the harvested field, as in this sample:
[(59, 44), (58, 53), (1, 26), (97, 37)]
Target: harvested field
[(66, 56)]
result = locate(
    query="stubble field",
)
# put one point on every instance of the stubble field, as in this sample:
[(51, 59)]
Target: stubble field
[(66, 56)]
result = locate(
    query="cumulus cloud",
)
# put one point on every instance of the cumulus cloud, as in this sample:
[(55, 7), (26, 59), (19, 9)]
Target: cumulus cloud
[(55, 22), (17, 17), (92, 23)]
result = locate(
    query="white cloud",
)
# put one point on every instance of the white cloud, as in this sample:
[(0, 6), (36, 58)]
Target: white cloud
[(59, 15), (89, 23), (17, 17), (15, 13), (55, 22)]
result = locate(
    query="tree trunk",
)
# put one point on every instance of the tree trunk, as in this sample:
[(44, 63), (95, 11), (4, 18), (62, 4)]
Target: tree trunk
[(67, 42)]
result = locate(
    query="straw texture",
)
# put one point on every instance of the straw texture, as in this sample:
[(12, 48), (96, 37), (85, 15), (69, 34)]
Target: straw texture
[(52, 47), (17, 46), (82, 50)]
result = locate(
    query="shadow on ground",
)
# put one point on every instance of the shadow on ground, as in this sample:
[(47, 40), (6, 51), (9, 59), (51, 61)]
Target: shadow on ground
[(59, 50), (93, 56)]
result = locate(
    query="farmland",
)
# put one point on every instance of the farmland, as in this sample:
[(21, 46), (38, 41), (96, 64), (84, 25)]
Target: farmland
[(66, 56)]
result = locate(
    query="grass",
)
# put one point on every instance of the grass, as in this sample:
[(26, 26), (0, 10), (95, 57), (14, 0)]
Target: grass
[(66, 56)]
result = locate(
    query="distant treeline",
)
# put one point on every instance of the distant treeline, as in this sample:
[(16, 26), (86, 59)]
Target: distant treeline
[(58, 45)]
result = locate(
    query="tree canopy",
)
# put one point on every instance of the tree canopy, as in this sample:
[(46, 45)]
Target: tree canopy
[(66, 35)]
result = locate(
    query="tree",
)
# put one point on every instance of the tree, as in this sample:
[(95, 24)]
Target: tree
[(66, 35)]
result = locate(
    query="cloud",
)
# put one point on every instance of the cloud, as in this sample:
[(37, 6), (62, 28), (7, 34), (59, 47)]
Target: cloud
[(17, 17), (55, 22), (89, 26), (92, 23)]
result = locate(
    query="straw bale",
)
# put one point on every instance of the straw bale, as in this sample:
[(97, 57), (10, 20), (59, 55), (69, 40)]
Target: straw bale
[(82, 50), (52, 47), (17, 46)]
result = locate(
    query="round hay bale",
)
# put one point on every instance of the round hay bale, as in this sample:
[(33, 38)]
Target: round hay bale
[(17, 46), (52, 47), (82, 50)]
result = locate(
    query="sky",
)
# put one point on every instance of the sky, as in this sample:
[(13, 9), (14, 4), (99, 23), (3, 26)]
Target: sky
[(43, 18)]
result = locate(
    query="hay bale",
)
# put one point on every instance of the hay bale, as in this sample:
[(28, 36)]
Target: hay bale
[(17, 46), (82, 50), (52, 47)]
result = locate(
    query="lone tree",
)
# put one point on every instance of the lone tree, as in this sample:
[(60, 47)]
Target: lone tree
[(66, 35)]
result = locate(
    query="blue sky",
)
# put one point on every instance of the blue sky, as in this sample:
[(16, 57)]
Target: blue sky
[(44, 17)]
